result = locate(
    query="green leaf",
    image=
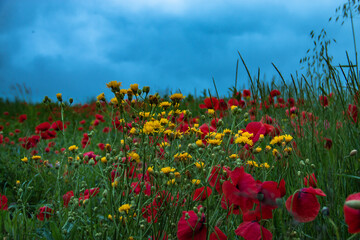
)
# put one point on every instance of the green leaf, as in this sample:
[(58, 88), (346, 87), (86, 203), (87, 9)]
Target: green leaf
[(55, 231)]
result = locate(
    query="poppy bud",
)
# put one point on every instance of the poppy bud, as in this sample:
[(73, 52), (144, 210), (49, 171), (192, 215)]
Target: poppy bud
[(353, 152), (71, 100), (355, 204), (325, 211), (146, 89)]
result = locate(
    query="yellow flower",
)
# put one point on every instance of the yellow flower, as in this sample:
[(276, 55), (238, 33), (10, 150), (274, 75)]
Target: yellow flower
[(288, 138), (73, 148), (24, 159), (133, 130), (59, 97), (267, 148), (288, 149), (124, 208), (177, 97), (226, 131), (17, 182), (182, 156), (167, 170), (35, 157), (114, 85), (164, 144), (233, 156), (148, 128), (163, 121), (103, 160), (134, 156), (199, 165), (214, 141), (233, 108), (211, 111), (261, 136), (258, 149), (199, 143), (150, 169), (165, 105), (252, 163), (177, 174), (110, 217), (115, 183), (265, 165), (134, 87), (275, 152), (101, 97), (171, 181), (196, 181), (114, 101)]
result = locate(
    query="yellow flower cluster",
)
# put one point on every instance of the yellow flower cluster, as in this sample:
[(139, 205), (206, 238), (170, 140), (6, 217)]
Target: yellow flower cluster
[(73, 148), (177, 97), (152, 127), (165, 105), (167, 170), (215, 142), (244, 140), (282, 138), (182, 156), (114, 85), (134, 156), (255, 164), (124, 208)]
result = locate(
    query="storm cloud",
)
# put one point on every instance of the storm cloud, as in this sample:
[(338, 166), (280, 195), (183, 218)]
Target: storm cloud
[(75, 47)]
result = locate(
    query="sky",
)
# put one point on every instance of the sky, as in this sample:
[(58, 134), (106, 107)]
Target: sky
[(76, 47)]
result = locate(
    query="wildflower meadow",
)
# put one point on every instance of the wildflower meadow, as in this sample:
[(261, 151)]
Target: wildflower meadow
[(275, 160)]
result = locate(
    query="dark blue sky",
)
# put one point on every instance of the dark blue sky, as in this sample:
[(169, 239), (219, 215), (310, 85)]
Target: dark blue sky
[(75, 47)]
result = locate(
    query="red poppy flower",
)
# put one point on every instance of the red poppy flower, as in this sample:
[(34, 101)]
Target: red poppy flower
[(231, 208), (324, 101), (88, 193), (218, 173), (45, 212), (352, 215), (268, 192), (253, 231), (256, 128), (42, 127), (328, 143), (192, 227), (304, 205), (58, 125), (310, 181), (201, 194), (210, 103), (291, 102), (241, 190), (100, 117), (218, 235), (66, 197), (353, 112), (22, 118), (3, 202), (246, 93), (275, 93), (233, 102)]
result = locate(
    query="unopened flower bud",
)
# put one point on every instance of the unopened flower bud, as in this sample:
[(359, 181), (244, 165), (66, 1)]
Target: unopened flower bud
[(355, 204), (325, 211), (353, 153)]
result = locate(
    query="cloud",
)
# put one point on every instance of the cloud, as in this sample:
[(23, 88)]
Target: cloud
[(75, 47)]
